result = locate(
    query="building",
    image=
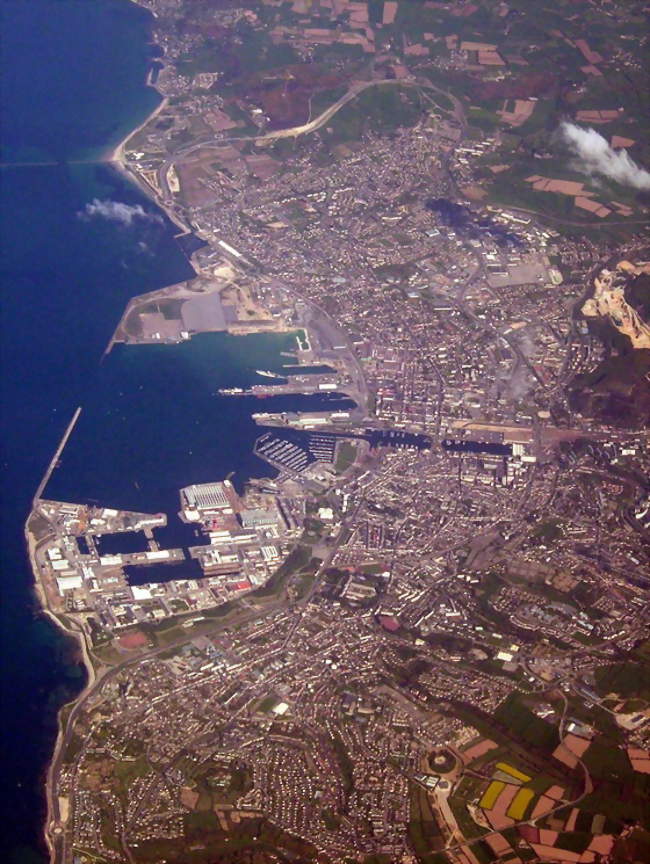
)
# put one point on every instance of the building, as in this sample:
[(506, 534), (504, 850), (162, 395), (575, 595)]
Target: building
[(258, 518), (207, 497)]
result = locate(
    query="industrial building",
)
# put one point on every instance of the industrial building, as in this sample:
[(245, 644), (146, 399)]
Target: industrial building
[(208, 497)]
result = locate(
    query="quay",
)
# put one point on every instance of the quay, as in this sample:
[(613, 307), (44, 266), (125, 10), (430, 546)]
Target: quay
[(55, 458)]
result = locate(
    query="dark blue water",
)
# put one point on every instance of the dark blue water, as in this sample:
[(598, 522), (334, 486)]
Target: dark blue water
[(147, 573), (73, 81), (154, 422), (74, 73), (119, 544), (65, 282), (73, 77)]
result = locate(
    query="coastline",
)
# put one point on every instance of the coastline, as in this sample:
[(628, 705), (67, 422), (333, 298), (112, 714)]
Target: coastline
[(129, 174), (52, 817), (53, 826), (116, 157), (116, 154), (55, 819)]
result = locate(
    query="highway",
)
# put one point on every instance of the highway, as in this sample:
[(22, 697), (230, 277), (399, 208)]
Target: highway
[(312, 125), (326, 115)]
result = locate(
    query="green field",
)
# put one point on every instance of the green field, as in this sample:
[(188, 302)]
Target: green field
[(423, 830), (345, 764), (345, 456), (521, 722), (627, 679), (380, 109)]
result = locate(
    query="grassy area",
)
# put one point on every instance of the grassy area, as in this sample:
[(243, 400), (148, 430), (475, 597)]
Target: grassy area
[(574, 841), (322, 99), (372, 568), (549, 529), (345, 456), (127, 771), (525, 725), (605, 759), (106, 654), (206, 842), (345, 764), (178, 605), (485, 120), (297, 559), (626, 679), (379, 109), (331, 820), (466, 824), (469, 786), (73, 749), (304, 582), (268, 703), (442, 101), (204, 58), (619, 805), (423, 829)]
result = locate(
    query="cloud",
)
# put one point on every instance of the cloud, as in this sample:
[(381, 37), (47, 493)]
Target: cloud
[(117, 211), (598, 157)]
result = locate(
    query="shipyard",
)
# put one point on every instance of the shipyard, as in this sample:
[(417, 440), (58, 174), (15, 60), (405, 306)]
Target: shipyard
[(353, 525)]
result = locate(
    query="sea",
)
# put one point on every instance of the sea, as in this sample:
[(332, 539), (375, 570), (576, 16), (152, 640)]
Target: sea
[(155, 421), (78, 241)]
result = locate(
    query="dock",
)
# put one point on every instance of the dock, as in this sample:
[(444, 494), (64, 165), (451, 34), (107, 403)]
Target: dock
[(55, 458)]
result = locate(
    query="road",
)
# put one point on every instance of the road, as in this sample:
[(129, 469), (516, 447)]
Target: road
[(312, 125), (325, 563), (561, 805), (584, 225), (104, 675)]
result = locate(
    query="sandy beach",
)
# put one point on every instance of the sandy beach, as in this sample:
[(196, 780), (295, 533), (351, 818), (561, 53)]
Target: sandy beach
[(116, 157), (117, 153)]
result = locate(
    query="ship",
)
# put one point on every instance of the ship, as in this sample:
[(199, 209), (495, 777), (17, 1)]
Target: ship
[(267, 374)]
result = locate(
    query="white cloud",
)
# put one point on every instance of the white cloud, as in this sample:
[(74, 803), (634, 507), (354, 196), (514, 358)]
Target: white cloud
[(598, 157), (117, 211)]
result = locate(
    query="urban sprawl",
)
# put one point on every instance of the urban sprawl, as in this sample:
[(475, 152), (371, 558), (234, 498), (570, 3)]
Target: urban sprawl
[(425, 639)]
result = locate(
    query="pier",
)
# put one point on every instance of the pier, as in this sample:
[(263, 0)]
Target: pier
[(56, 457)]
